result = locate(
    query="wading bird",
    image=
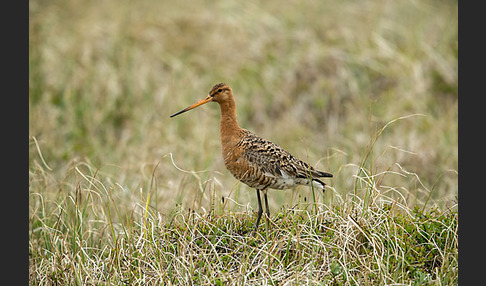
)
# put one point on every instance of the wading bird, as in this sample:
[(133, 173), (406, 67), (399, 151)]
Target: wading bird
[(253, 160)]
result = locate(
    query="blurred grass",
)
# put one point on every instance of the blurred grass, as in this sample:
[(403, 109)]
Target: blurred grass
[(318, 79), (321, 79)]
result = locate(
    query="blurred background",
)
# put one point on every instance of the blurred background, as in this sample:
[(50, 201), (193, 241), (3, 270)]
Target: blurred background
[(366, 90)]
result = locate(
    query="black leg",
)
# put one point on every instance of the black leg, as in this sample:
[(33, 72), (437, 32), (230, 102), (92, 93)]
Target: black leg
[(260, 209), (267, 209)]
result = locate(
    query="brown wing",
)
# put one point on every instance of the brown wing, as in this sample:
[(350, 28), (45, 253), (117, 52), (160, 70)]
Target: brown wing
[(272, 159)]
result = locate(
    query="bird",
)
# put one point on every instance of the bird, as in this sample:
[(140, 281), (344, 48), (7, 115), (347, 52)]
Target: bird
[(255, 161)]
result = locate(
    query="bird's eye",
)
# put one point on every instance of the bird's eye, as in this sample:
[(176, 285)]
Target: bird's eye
[(220, 90)]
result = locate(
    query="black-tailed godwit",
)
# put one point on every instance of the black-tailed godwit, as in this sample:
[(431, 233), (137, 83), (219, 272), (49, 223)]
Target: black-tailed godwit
[(253, 160)]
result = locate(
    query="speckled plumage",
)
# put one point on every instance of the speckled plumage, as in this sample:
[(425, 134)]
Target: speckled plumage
[(253, 160), (262, 164)]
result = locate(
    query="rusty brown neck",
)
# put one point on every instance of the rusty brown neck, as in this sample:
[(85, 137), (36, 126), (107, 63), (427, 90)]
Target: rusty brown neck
[(229, 125)]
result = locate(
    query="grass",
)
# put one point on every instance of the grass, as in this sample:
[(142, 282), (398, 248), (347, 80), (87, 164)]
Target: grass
[(85, 239), (121, 194)]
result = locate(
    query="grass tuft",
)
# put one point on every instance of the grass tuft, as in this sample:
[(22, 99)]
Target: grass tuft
[(83, 237)]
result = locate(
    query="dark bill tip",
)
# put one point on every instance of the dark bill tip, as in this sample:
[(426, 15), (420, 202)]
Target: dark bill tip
[(177, 113)]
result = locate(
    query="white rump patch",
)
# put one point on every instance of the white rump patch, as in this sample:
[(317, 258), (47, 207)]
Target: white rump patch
[(286, 179), (317, 185)]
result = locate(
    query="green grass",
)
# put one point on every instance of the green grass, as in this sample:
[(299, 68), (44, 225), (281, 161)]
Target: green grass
[(121, 194)]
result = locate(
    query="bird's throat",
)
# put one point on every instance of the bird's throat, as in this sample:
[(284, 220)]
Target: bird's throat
[(230, 129)]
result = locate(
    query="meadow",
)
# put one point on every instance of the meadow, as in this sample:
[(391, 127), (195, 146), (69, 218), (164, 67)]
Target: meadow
[(119, 193)]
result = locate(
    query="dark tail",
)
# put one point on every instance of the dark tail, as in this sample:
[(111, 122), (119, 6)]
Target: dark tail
[(319, 182), (321, 174)]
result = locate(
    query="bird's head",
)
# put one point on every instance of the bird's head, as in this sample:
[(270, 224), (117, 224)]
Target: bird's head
[(220, 92)]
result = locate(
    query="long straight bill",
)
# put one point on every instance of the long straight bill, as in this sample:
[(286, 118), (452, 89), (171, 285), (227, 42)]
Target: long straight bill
[(199, 103)]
